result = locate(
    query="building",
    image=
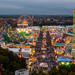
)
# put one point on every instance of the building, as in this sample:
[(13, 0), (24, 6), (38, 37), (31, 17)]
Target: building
[(25, 51), (22, 72)]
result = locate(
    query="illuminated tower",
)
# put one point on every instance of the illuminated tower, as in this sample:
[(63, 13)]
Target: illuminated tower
[(73, 41), (74, 17), (74, 25)]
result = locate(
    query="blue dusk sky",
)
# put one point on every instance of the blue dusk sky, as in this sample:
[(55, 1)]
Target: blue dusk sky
[(37, 7)]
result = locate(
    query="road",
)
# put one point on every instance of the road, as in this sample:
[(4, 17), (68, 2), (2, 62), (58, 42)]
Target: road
[(44, 51)]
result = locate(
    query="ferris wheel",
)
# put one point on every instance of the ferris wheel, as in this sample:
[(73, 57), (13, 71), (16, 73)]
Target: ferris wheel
[(24, 21)]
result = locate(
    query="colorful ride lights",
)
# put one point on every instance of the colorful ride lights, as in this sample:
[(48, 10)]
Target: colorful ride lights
[(43, 52), (65, 63), (62, 63)]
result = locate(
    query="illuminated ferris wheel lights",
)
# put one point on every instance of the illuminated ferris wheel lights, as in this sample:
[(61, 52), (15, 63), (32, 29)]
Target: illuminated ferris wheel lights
[(25, 20)]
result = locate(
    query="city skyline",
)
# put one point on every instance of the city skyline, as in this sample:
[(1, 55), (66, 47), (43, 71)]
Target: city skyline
[(39, 7)]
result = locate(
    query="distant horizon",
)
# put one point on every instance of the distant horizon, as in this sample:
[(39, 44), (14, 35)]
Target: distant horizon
[(33, 15)]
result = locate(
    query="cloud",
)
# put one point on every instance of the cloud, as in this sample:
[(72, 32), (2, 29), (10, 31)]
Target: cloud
[(10, 6), (37, 6)]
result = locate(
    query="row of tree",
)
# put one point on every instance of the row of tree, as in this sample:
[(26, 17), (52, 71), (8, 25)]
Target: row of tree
[(61, 70)]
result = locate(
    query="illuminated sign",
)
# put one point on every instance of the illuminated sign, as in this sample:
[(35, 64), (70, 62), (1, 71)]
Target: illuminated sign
[(64, 58)]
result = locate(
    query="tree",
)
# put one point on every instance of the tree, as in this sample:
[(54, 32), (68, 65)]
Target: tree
[(54, 71), (34, 72), (11, 62), (71, 73), (4, 59)]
